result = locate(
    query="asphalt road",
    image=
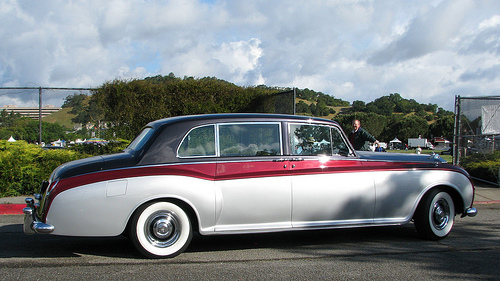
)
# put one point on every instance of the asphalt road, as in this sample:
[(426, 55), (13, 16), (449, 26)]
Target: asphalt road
[(470, 252)]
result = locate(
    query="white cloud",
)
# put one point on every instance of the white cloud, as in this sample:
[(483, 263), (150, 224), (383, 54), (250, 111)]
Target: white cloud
[(355, 50), (431, 31)]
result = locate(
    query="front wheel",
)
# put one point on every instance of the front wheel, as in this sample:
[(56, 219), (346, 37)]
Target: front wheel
[(435, 215), (160, 230)]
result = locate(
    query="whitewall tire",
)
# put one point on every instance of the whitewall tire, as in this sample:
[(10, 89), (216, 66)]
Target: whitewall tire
[(435, 215), (161, 230)]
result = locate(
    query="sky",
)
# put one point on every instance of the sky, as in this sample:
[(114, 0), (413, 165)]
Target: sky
[(427, 50)]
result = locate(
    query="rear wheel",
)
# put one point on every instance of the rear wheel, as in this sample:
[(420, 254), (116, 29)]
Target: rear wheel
[(435, 215), (160, 230)]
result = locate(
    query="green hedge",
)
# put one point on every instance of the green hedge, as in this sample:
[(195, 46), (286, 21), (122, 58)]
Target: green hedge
[(91, 149), (483, 166), (24, 166)]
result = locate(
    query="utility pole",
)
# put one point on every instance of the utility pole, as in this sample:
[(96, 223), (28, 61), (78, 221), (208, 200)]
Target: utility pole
[(40, 116), (456, 133)]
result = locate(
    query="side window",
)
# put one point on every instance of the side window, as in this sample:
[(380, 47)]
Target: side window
[(310, 140), (199, 142), (249, 139), (338, 144)]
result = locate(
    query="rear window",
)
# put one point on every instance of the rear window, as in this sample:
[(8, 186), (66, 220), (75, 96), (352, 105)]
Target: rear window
[(141, 139), (199, 142)]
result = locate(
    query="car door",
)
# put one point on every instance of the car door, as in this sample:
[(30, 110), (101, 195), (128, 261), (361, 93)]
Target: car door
[(330, 186), (252, 178)]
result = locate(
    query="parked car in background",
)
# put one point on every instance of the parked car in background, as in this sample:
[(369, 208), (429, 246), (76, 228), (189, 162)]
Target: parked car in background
[(245, 173)]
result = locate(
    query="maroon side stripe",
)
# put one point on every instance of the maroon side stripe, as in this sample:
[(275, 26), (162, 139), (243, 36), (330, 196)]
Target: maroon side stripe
[(202, 171)]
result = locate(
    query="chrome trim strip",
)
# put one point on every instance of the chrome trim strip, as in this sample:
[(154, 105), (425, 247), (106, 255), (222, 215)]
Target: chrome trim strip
[(297, 227), (343, 223)]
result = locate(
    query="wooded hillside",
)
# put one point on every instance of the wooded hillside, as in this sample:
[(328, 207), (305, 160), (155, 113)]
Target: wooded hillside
[(119, 109)]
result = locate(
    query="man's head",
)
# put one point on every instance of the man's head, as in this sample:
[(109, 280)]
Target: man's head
[(356, 124)]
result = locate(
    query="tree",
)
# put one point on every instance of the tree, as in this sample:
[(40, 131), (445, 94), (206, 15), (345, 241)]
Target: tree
[(302, 108), (374, 123), (408, 127), (317, 97), (76, 101), (358, 106), (444, 126), (382, 106), (28, 129), (8, 118), (129, 105)]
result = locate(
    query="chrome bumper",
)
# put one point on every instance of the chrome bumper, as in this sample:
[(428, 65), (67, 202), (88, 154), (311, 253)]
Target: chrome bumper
[(470, 212), (31, 222)]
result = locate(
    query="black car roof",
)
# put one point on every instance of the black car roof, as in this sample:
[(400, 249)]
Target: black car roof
[(221, 117)]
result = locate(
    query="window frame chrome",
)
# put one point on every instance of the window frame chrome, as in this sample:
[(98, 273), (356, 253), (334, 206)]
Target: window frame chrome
[(199, 156), (217, 138), (330, 127)]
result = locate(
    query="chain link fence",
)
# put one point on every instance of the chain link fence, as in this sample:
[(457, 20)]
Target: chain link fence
[(477, 134), (35, 102), (38, 102)]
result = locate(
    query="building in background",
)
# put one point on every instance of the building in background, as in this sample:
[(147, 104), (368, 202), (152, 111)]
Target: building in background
[(31, 112)]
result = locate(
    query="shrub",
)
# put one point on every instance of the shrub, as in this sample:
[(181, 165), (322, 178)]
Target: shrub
[(24, 166), (91, 149), (483, 166)]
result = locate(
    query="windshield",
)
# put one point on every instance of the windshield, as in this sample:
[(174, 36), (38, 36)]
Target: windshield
[(141, 139)]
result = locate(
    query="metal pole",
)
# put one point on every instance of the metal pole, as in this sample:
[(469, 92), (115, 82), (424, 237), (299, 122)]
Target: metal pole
[(294, 99), (40, 115), (456, 133)]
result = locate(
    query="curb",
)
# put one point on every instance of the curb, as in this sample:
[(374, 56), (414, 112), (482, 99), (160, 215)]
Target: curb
[(486, 202), (12, 209)]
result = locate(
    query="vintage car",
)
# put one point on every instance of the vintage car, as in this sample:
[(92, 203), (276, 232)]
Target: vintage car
[(245, 173)]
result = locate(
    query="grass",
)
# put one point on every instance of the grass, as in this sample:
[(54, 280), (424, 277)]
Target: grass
[(62, 117)]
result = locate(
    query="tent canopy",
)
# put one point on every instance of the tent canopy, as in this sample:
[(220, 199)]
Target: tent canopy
[(395, 140)]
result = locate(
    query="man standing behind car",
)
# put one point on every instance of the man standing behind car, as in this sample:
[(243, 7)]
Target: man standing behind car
[(359, 137)]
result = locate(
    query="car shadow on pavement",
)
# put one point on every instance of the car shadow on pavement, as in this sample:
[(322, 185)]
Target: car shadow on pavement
[(297, 240), (16, 244), (386, 242)]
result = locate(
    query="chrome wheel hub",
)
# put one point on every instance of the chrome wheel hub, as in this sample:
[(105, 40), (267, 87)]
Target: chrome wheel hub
[(162, 228), (440, 214)]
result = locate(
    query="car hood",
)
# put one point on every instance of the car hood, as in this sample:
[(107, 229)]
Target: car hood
[(400, 157)]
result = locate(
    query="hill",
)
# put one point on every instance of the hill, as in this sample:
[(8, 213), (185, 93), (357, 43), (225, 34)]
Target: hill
[(131, 104), (61, 117)]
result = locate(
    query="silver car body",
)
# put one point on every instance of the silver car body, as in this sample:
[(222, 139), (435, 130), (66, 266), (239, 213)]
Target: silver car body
[(283, 189)]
